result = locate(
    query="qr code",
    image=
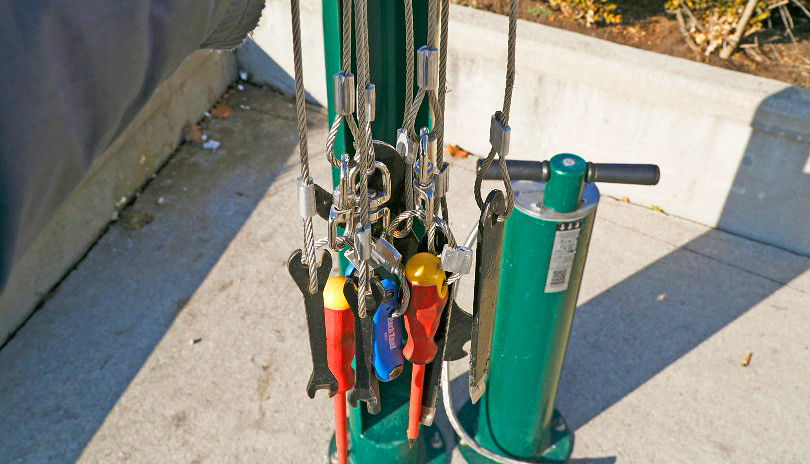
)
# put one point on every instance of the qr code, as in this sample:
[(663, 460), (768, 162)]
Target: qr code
[(558, 277)]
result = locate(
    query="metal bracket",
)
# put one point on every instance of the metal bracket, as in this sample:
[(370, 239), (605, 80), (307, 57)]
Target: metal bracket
[(406, 147), (383, 254), (457, 260), (371, 102), (344, 93), (499, 135), (424, 167), (427, 68), (306, 198), (441, 180), (362, 241)]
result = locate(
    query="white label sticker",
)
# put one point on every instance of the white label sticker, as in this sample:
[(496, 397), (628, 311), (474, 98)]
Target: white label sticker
[(562, 256)]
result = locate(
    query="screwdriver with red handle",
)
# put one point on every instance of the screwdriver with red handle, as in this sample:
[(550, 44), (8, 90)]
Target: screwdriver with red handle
[(339, 354), (428, 299)]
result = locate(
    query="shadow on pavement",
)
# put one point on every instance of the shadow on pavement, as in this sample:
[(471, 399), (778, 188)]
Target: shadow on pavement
[(615, 347), (72, 361)]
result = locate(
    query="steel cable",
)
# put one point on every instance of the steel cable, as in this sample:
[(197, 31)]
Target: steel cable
[(301, 110), (503, 117)]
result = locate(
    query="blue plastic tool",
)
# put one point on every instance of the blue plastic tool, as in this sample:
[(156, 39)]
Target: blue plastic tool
[(388, 359)]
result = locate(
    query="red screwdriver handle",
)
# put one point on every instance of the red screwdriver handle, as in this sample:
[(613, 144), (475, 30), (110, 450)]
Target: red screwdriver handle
[(428, 299), (339, 333), (421, 321)]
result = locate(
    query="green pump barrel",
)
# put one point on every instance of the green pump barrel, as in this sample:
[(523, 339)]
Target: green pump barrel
[(545, 245)]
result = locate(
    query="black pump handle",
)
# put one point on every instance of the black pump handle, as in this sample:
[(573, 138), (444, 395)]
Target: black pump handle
[(639, 174)]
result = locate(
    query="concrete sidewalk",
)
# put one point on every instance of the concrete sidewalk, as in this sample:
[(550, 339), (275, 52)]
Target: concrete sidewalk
[(181, 338)]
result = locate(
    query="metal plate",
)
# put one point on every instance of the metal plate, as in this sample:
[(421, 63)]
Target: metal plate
[(487, 278)]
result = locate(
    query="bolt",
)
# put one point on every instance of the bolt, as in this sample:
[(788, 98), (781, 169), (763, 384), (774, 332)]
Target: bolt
[(436, 440), (568, 162), (559, 425)]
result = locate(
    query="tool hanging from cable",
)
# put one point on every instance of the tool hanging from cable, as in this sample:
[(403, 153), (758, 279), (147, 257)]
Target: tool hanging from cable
[(379, 235), (340, 352), (428, 299), (388, 215)]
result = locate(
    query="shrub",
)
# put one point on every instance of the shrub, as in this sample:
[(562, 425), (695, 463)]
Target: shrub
[(708, 24), (588, 12)]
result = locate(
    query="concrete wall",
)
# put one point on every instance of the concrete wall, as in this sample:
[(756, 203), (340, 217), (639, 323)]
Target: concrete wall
[(733, 148), (267, 55), (123, 168)]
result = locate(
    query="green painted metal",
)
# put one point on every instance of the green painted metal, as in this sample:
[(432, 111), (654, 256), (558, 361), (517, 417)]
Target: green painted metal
[(532, 325), (378, 438), (564, 187), (386, 28), (331, 44), (381, 437), (561, 438)]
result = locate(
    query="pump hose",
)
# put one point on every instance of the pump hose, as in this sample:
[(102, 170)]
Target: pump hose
[(448, 403)]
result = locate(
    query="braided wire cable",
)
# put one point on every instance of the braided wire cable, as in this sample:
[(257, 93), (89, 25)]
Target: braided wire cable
[(443, 44), (443, 49), (409, 104), (510, 61), (364, 152), (346, 58), (346, 48), (503, 117), (301, 110), (403, 216), (409, 59), (411, 116), (330, 142), (432, 19), (438, 129)]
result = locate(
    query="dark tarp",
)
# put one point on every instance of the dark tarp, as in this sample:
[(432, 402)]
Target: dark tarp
[(73, 74)]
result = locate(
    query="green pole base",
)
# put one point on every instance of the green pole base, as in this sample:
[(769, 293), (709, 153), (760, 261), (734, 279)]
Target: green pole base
[(429, 448), (562, 439)]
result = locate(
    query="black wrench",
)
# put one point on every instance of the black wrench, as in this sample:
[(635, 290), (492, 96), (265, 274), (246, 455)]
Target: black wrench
[(321, 378), (366, 386)]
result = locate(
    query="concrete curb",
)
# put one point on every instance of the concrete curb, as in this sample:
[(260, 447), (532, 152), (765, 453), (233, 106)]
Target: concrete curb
[(733, 148), (114, 176)]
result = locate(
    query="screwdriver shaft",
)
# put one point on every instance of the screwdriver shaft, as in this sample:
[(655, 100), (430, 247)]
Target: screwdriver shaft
[(415, 407), (340, 428)]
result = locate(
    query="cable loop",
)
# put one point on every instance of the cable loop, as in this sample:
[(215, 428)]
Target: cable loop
[(503, 117)]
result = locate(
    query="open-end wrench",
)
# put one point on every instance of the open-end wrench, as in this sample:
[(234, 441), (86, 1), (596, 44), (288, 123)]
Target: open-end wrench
[(366, 386), (321, 378), (487, 277)]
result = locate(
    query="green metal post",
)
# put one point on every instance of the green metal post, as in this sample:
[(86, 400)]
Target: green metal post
[(545, 245), (381, 437)]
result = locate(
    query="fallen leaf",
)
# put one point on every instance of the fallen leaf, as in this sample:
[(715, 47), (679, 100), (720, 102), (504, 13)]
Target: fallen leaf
[(134, 220), (221, 111), (624, 199), (192, 133), (455, 151)]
